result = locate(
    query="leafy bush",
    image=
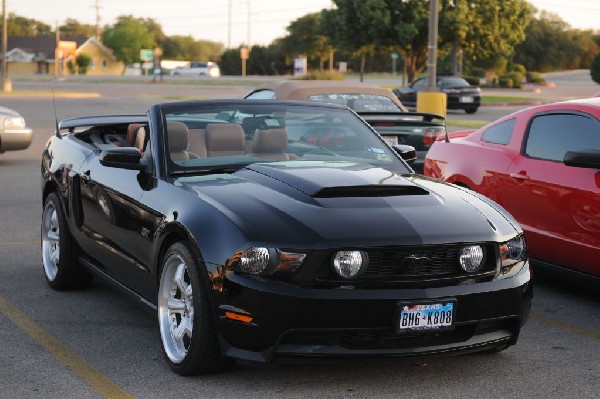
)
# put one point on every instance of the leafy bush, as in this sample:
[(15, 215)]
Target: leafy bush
[(83, 62), (595, 69), (515, 77), (505, 81), (518, 68), (535, 77)]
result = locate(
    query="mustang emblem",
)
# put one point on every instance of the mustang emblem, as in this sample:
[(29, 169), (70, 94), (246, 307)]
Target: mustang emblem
[(412, 262)]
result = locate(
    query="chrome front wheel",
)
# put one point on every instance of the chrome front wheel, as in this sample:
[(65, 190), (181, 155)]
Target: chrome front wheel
[(186, 322), (50, 241), (176, 308)]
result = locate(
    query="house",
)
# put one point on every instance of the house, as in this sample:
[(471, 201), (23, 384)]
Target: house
[(36, 55)]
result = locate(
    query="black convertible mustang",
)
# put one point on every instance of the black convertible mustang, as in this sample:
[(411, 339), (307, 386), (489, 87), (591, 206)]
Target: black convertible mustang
[(253, 241)]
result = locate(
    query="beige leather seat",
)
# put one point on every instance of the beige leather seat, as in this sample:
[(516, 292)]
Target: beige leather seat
[(140, 139), (271, 144), (224, 139), (178, 137)]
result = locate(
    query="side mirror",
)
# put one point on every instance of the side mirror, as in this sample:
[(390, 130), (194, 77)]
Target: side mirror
[(583, 159), (123, 158), (406, 152)]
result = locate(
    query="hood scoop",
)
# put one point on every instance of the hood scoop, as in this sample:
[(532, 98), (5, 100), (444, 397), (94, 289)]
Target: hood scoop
[(369, 191)]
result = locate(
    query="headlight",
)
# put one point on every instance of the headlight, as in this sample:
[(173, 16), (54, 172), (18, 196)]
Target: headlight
[(512, 253), (471, 258), (265, 261), (254, 260), (349, 264), (14, 122)]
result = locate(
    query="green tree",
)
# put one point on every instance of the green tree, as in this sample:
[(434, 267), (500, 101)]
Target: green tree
[(547, 45), (357, 26), (21, 26), (304, 37), (486, 31), (128, 36), (189, 49), (73, 27)]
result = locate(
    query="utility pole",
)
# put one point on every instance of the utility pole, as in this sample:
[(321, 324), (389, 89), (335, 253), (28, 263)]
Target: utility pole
[(432, 45), (229, 26), (432, 99), (249, 18), (97, 6), (6, 84)]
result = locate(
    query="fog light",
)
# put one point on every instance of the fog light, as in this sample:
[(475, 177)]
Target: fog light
[(349, 264), (471, 257), (254, 260)]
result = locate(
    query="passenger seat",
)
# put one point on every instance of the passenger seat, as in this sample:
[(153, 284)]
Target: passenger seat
[(224, 139)]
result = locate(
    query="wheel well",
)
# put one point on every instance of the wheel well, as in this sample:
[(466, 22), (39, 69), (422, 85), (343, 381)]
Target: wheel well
[(170, 239), (48, 188)]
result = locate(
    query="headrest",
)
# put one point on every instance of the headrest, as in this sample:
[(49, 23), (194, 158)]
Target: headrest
[(270, 141), (224, 137), (178, 136)]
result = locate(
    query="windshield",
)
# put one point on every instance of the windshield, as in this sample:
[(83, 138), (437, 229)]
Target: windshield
[(359, 102), (205, 138)]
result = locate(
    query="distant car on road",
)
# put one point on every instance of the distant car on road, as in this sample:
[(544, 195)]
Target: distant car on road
[(542, 164), (209, 69), (378, 106), (461, 94), (14, 134)]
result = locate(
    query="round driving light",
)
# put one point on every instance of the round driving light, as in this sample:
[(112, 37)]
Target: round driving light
[(471, 257), (515, 248), (254, 260), (349, 264)]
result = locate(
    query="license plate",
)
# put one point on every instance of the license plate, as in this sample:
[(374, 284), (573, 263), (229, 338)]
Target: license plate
[(425, 316), (466, 99), (390, 140)]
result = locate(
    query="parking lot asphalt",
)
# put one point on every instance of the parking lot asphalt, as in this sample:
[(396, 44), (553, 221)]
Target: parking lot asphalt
[(97, 343)]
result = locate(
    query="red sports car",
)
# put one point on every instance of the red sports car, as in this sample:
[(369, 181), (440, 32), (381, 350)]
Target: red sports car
[(543, 165)]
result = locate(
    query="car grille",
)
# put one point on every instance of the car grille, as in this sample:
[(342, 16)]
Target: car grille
[(418, 264)]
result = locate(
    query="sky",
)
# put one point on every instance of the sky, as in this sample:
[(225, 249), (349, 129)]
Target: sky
[(254, 21)]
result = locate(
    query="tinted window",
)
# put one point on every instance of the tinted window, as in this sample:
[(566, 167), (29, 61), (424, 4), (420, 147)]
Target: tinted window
[(262, 95), (551, 136), (452, 82), (500, 133), (358, 101)]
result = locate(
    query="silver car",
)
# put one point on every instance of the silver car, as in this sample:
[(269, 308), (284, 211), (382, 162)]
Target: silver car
[(14, 134), (209, 69)]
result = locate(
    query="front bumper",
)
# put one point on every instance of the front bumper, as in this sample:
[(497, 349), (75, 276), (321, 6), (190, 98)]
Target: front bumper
[(293, 321), (12, 140)]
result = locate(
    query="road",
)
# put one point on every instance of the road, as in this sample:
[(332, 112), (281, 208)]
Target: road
[(95, 343)]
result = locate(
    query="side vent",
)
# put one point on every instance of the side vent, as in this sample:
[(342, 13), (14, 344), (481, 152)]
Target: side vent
[(369, 191)]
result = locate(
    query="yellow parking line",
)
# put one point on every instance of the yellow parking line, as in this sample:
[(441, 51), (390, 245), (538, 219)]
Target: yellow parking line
[(17, 243), (88, 373), (565, 326)]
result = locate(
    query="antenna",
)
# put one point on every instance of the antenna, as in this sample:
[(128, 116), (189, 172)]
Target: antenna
[(55, 116)]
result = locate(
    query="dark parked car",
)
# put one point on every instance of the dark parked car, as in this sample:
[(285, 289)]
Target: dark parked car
[(378, 106), (461, 94), (252, 242), (542, 164)]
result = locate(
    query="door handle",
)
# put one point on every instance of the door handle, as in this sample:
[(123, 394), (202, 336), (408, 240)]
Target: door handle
[(520, 176)]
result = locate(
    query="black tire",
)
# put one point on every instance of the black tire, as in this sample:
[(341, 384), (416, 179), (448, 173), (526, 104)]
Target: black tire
[(59, 251), (471, 110), (196, 351)]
